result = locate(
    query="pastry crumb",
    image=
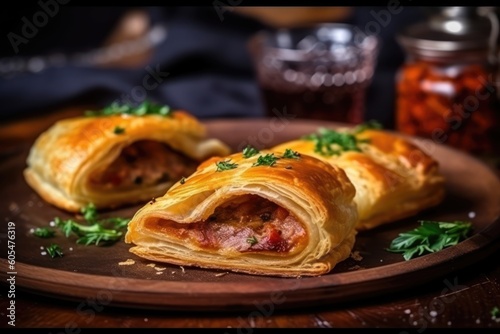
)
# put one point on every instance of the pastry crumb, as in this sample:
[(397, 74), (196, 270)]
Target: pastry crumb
[(356, 256), (220, 274), (160, 268), (356, 267), (152, 265), (182, 268), (159, 272), (128, 262)]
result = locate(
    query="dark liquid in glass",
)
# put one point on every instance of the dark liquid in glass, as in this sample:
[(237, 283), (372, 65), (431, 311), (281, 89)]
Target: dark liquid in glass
[(337, 104)]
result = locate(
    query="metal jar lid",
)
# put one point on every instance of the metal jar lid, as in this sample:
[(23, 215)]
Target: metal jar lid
[(451, 29)]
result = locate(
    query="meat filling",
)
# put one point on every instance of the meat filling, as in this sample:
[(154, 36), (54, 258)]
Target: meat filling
[(248, 224), (144, 163)]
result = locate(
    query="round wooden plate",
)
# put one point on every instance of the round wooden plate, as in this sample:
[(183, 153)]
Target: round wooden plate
[(94, 273)]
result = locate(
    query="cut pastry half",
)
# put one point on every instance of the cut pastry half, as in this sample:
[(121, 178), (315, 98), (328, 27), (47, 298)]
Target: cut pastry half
[(393, 177), (265, 214), (116, 159)]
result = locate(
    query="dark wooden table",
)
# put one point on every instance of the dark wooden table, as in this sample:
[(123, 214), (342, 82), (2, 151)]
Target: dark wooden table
[(461, 299)]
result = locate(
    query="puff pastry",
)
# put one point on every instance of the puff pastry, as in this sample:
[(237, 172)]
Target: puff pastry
[(293, 218), (117, 159), (394, 178)]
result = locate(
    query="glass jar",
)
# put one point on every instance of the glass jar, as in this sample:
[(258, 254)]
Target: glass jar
[(446, 88)]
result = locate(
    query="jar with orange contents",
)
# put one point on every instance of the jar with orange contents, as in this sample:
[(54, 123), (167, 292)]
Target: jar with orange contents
[(446, 89)]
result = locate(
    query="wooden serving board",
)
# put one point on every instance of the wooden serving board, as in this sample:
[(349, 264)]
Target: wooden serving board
[(94, 272)]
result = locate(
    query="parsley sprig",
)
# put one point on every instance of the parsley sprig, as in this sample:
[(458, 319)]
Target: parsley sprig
[(430, 237), (54, 250), (43, 232), (252, 240), (225, 165), (330, 142), (371, 124), (291, 154), (268, 159), (145, 108), (249, 151), (93, 230), (495, 313)]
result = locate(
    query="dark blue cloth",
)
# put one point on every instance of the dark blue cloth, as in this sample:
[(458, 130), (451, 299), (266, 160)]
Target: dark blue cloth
[(210, 72)]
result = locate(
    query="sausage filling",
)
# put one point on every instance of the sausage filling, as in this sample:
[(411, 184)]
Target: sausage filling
[(248, 224), (144, 163)]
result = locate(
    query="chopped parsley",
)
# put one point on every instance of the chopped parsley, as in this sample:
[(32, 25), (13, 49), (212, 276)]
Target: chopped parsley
[(430, 237), (225, 165), (118, 130), (329, 142), (291, 154), (372, 124), (183, 180), (43, 232), (252, 240), (249, 151), (266, 160), (54, 250), (93, 230), (495, 313), (145, 108)]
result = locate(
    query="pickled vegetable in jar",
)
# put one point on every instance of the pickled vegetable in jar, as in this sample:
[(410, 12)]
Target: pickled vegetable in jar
[(454, 104), (446, 89)]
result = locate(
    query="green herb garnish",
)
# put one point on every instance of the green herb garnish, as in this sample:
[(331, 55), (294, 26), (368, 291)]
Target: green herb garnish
[(249, 151), (93, 230), (87, 234), (225, 165), (495, 313), (43, 232), (118, 130), (330, 142), (430, 237), (266, 160), (145, 108), (372, 124), (252, 240), (54, 250), (89, 212), (183, 180), (291, 154)]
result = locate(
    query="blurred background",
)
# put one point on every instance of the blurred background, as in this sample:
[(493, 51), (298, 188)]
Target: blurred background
[(61, 57), (199, 56)]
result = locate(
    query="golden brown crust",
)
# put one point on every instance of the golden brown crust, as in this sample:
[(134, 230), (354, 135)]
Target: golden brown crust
[(317, 194), (394, 178), (62, 158)]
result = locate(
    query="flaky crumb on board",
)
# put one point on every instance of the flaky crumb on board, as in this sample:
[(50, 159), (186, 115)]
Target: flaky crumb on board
[(128, 262), (160, 268), (356, 256)]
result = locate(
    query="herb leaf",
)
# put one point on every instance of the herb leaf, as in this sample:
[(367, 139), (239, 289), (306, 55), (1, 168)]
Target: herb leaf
[(183, 180), (43, 232), (118, 130), (430, 237), (96, 230), (225, 165), (252, 240), (330, 142), (290, 154), (89, 212), (249, 151), (145, 108), (266, 160), (88, 234), (371, 124), (495, 313), (54, 250)]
